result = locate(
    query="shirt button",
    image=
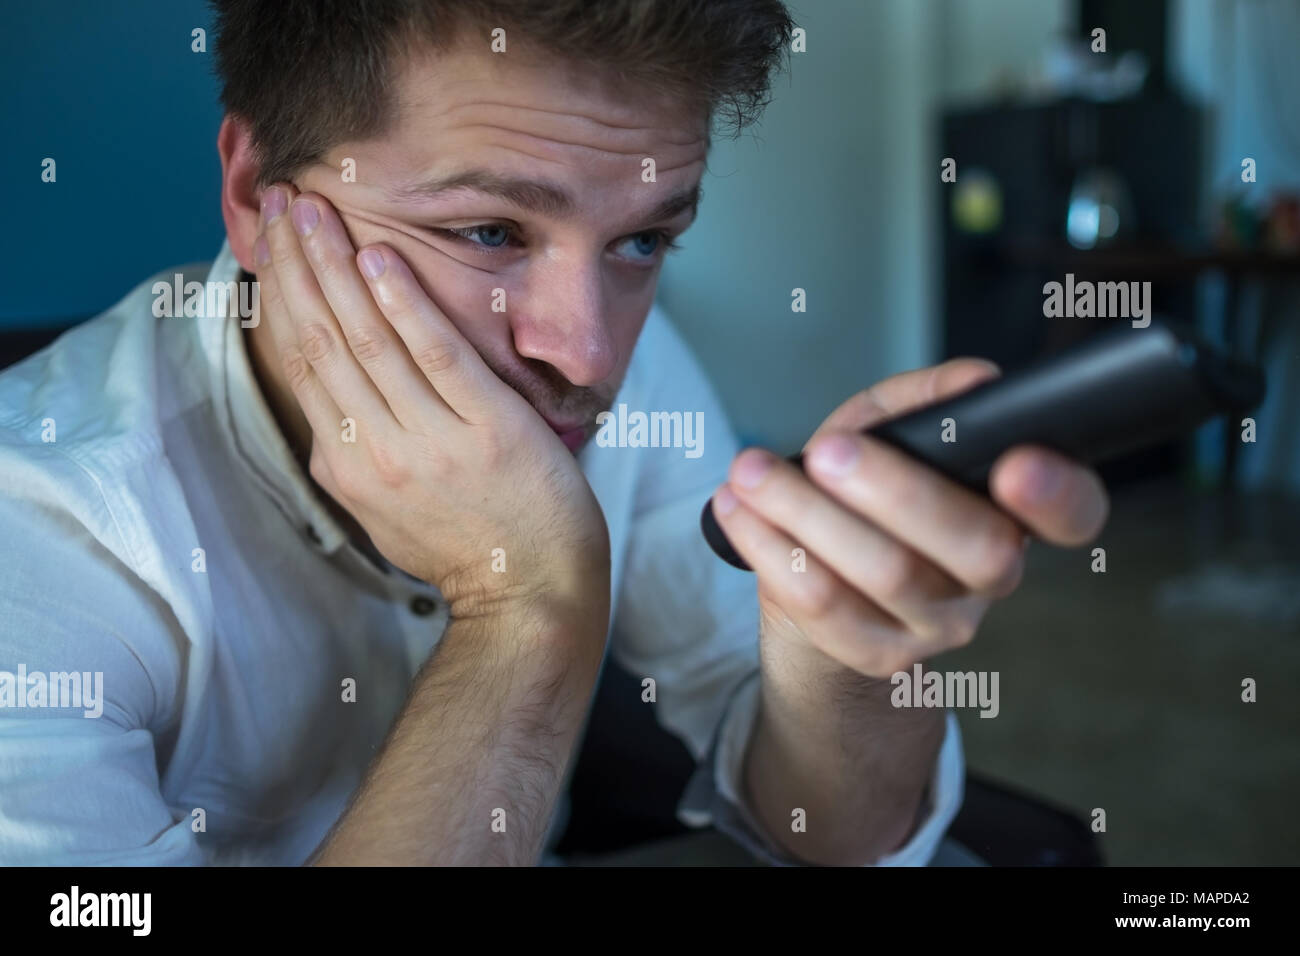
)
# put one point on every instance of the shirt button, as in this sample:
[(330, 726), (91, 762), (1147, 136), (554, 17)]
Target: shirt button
[(311, 533), (423, 606)]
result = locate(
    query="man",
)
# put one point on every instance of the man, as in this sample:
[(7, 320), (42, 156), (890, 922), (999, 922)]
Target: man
[(348, 585)]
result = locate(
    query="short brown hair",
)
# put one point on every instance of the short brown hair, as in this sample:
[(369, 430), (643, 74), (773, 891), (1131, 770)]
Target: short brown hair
[(307, 74)]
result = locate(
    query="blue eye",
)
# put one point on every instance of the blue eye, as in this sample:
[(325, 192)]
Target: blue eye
[(493, 235), (646, 244)]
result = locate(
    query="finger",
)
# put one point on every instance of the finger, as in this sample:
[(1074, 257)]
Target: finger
[(453, 366), (319, 337), (933, 606), (373, 342), (318, 467), (317, 404), (906, 392), (272, 203), (962, 532), (1059, 499), (849, 629)]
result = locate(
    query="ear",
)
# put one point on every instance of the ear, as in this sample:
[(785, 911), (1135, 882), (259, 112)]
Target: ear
[(240, 195)]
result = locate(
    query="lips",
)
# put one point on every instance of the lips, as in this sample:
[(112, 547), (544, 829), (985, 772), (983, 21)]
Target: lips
[(560, 427), (572, 434)]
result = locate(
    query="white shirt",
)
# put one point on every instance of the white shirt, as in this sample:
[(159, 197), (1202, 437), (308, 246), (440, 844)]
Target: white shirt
[(224, 737)]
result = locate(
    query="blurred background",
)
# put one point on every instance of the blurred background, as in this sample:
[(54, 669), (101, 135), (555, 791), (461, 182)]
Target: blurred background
[(1171, 157)]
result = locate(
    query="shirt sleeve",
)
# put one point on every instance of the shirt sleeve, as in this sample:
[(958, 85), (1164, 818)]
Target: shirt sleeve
[(690, 621), (79, 782)]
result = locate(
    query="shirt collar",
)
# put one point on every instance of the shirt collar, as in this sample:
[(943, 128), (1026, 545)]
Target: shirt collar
[(247, 421)]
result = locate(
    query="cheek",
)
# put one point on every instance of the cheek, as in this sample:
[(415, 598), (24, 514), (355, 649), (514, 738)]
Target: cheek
[(627, 329), (628, 316), (626, 321)]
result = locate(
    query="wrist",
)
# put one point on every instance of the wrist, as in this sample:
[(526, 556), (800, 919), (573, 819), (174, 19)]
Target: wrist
[(561, 588), (569, 607), (790, 657), (569, 581)]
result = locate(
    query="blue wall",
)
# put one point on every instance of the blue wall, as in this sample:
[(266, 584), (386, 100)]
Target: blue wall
[(112, 93)]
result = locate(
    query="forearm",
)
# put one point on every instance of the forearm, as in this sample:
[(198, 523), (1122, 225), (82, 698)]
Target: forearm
[(472, 767), (827, 740)]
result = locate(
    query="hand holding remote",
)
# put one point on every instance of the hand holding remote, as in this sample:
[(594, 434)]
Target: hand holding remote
[(1116, 392)]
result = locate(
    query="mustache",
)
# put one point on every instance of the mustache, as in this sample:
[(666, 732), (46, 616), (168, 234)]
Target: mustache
[(554, 396)]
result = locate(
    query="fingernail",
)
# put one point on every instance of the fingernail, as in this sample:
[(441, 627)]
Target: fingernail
[(834, 455), (751, 468), (261, 252), (724, 502), (372, 263), (1045, 480), (273, 201), (304, 216)]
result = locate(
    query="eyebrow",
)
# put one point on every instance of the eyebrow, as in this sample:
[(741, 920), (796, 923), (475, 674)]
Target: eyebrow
[(535, 196)]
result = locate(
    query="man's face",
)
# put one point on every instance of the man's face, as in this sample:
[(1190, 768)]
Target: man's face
[(577, 278)]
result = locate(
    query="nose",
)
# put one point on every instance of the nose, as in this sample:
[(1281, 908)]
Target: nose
[(562, 320)]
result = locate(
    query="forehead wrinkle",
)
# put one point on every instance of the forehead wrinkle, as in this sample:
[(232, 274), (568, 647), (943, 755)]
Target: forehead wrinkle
[(569, 114), (566, 113), (641, 150), (570, 128), (557, 162)]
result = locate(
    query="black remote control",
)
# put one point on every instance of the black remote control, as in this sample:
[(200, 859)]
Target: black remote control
[(1117, 391)]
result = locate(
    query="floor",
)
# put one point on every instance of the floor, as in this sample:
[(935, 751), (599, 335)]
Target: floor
[(1122, 690)]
